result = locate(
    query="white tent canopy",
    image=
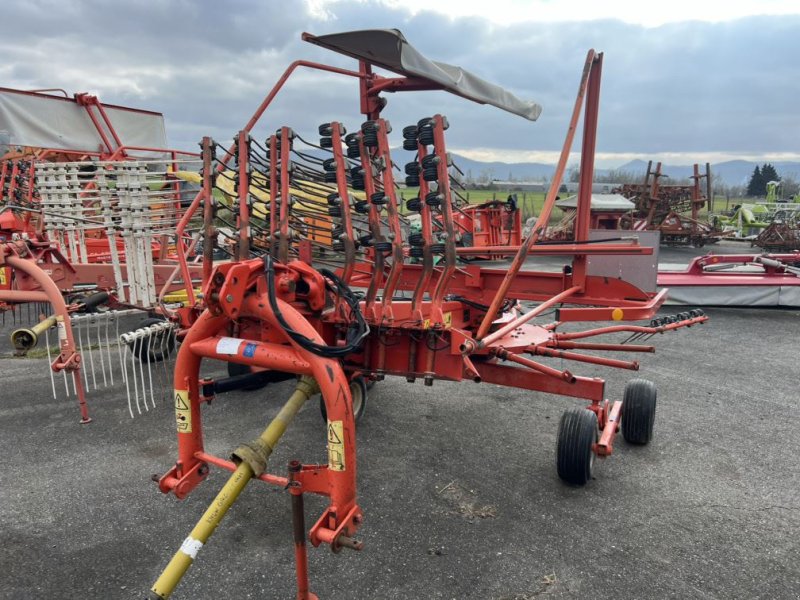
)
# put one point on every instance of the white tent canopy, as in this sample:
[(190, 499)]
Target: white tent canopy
[(45, 121)]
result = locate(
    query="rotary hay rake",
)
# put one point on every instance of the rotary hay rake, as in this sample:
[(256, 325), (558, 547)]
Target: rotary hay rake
[(272, 310), (100, 249)]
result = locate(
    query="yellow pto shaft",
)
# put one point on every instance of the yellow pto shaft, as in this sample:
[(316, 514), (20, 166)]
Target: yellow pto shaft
[(252, 460)]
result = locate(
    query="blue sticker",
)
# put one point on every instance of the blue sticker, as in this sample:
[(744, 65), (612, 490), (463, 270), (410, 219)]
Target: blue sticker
[(249, 350)]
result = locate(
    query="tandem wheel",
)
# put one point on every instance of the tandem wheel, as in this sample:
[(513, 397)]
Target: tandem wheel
[(638, 411), (358, 390), (577, 433)]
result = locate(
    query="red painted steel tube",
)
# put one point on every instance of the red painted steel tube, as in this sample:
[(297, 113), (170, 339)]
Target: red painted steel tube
[(622, 310), (536, 366), (522, 319), (589, 388), (274, 211), (243, 154), (443, 189), (583, 210), (424, 278), (108, 123), (576, 335), (67, 342), (276, 357), (20, 296), (544, 216), (393, 218), (565, 345), (606, 441), (99, 128), (595, 360), (376, 276), (348, 240), (186, 376), (283, 241), (208, 213), (181, 251)]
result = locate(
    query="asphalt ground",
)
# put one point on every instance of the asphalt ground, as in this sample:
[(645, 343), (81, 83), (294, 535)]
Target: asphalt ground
[(457, 483)]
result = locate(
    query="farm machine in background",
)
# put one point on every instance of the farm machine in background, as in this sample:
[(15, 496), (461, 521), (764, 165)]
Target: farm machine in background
[(89, 220), (673, 210), (339, 292)]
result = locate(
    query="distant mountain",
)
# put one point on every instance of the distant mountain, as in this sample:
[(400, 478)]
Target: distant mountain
[(528, 171), (732, 172)]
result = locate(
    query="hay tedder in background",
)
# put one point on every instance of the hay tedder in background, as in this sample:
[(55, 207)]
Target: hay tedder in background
[(673, 210), (329, 285), (90, 231)]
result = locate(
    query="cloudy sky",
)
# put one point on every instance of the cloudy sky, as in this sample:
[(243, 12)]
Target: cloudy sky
[(725, 84)]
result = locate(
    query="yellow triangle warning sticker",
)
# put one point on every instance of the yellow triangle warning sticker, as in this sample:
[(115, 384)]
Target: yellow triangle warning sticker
[(333, 437), (336, 450), (182, 399)]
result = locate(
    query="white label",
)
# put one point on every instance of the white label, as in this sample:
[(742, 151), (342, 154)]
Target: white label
[(62, 330), (190, 547), (228, 345)]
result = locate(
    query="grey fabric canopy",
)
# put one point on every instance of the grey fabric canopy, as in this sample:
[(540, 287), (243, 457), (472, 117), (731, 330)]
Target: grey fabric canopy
[(45, 121), (389, 49)]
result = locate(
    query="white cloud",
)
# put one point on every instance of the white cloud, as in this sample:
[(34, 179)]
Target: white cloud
[(649, 14)]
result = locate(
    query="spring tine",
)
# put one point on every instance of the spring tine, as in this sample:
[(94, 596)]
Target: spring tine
[(80, 349), (125, 379), (164, 345), (89, 348), (74, 385), (102, 358), (119, 351), (50, 363), (135, 383), (108, 349), (149, 372), (141, 372), (66, 384)]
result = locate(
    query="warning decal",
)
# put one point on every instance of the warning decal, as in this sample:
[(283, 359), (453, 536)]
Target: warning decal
[(3, 277), (183, 412), (335, 446), (62, 329)]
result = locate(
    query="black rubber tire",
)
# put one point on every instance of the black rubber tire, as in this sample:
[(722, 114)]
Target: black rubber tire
[(577, 432), (162, 350), (638, 411), (358, 389)]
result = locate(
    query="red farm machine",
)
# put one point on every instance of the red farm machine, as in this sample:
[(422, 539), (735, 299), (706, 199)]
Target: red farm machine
[(673, 210), (89, 220), (329, 285)]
